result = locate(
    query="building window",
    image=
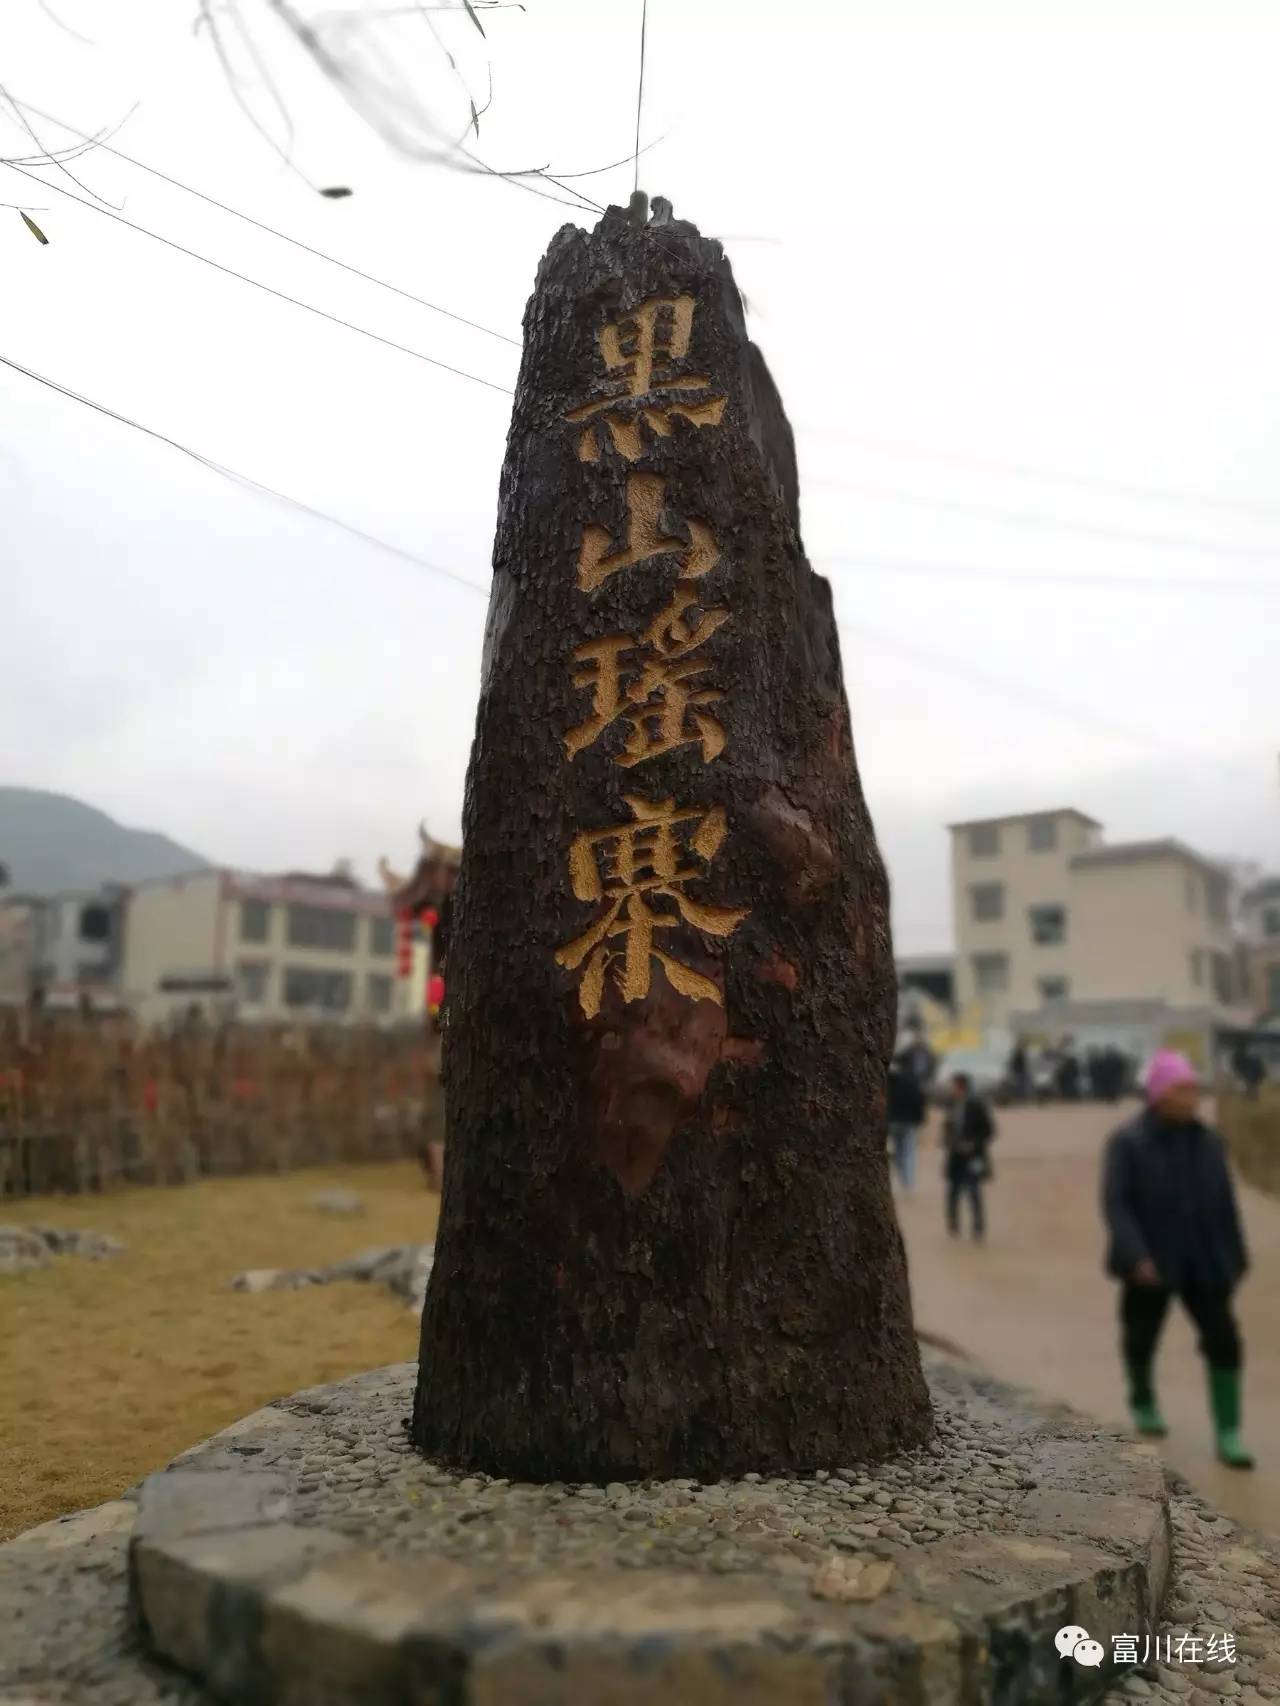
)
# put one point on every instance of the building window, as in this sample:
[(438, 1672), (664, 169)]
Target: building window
[(1048, 925), (252, 978), (379, 992), (95, 924), (1271, 921), (984, 841), (1197, 967), (255, 920), (1273, 989), (1042, 834), (987, 902), (325, 991), (381, 933), (1054, 988), (1219, 902), (322, 927), (91, 971), (1223, 982), (991, 973)]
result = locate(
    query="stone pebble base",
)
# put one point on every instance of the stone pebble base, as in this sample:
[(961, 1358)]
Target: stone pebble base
[(307, 1555)]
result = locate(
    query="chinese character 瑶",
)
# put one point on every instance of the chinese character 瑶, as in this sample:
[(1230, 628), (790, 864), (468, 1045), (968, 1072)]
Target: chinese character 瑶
[(645, 538), (638, 351), (658, 697), (642, 861)]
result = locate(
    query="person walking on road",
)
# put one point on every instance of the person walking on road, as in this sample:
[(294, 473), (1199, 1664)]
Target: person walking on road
[(967, 1133), (1174, 1230), (906, 1110), (919, 1059)]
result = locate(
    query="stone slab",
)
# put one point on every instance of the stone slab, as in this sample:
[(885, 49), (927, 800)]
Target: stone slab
[(332, 1564), (66, 1638)]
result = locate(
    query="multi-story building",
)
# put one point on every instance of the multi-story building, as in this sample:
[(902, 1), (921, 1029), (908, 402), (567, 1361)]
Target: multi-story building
[(62, 948), (266, 948), (1011, 898), (1057, 931)]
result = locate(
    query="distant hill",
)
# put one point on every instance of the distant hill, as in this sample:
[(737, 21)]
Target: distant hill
[(50, 842)]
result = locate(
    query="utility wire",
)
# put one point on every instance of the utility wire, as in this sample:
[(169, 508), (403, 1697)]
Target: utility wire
[(1027, 471), (270, 290), (644, 24), (259, 225), (1055, 523), (1050, 577), (1023, 693), (1018, 691), (247, 480)]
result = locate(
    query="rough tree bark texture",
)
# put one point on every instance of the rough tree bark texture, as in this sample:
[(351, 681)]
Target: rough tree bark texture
[(667, 1244)]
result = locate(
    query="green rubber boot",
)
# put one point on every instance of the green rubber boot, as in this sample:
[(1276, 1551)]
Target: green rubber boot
[(1224, 1400), (1142, 1402)]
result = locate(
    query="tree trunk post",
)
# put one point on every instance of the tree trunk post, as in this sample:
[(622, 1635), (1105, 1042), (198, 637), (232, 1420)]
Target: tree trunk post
[(667, 1243)]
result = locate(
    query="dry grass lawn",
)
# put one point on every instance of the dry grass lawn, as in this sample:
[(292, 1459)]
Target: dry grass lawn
[(109, 1369)]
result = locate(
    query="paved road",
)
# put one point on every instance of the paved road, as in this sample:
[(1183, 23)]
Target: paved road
[(1034, 1305)]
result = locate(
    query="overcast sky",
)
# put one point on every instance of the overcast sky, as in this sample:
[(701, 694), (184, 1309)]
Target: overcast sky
[(1016, 269)]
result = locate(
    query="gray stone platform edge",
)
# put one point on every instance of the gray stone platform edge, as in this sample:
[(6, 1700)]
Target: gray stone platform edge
[(262, 1609)]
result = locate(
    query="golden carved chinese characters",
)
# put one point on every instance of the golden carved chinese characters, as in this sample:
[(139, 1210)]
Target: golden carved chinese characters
[(651, 682), (645, 538), (639, 350), (628, 866), (657, 697)]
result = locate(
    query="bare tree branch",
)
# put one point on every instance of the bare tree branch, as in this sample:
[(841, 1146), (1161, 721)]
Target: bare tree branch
[(62, 24), (45, 156)]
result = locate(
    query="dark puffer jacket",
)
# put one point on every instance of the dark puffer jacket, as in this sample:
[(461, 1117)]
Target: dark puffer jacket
[(1167, 1194)]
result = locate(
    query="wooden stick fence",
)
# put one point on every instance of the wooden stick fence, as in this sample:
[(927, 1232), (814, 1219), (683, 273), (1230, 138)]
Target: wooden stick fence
[(88, 1103)]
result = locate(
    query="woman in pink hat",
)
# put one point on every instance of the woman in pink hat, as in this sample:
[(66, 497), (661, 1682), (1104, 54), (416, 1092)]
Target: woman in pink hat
[(1174, 1228)]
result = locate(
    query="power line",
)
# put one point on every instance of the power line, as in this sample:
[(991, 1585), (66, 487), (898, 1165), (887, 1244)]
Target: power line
[(246, 480), (1053, 523), (644, 25), (1021, 692), (1027, 471), (270, 289), (949, 663), (259, 225), (1049, 577)]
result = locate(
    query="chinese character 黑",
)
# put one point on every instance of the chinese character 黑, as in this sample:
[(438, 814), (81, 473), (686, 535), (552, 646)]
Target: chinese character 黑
[(638, 351)]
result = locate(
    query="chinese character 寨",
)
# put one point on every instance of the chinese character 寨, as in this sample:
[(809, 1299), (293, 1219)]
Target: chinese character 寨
[(658, 698), (639, 350), (641, 862)]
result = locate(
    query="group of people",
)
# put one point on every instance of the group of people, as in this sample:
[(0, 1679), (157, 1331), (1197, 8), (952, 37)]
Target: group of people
[(1059, 1071), (1169, 1207)]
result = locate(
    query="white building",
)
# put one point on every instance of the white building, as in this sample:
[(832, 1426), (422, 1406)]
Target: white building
[(1058, 931), (267, 948)]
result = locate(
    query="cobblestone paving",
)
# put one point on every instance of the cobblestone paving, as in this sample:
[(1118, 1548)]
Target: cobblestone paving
[(65, 1638)]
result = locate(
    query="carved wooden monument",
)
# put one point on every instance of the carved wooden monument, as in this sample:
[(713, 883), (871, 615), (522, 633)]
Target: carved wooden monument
[(667, 1245)]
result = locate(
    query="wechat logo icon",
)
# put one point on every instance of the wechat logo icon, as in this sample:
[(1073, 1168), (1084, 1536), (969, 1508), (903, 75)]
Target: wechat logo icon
[(1074, 1642)]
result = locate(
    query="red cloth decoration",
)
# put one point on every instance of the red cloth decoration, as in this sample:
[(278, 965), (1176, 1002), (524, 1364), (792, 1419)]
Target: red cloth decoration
[(435, 990)]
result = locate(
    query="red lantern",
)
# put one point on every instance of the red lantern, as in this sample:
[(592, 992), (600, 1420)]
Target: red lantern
[(435, 990)]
